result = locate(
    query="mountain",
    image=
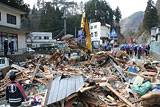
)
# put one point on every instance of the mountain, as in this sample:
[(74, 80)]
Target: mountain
[(131, 23)]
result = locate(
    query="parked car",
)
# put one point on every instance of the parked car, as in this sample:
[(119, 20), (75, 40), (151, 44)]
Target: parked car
[(30, 50), (4, 66)]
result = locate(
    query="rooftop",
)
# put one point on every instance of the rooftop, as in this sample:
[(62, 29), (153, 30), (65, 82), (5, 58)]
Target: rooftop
[(11, 8)]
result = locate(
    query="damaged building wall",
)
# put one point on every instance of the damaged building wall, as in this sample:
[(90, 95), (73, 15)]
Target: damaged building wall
[(155, 49)]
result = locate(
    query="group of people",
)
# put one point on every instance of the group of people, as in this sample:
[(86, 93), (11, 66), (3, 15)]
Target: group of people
[(137, 50), (11, 46)]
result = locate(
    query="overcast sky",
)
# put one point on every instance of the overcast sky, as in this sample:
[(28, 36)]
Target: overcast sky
[(127, 7)]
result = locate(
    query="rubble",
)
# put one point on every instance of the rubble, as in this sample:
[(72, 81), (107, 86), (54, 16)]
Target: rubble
[(104, 80)]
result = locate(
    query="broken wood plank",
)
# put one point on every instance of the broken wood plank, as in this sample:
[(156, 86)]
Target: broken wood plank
[(117, 93), (18, 67), (44, 99), (136, 101), (34, 74), (42, 82), (86, 88), (134, 74), (116, 60), (106, 99), (95, 103)]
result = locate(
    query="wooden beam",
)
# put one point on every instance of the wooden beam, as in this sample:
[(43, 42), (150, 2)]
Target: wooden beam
[(18, 67), (134, 74), (44, 99), (117, 93), (34, 74), (86, 88)]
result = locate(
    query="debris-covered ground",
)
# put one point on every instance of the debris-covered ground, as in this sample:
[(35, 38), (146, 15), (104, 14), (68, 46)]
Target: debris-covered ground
[(102, 81)]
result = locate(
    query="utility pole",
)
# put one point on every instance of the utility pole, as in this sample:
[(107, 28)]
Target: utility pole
[(75, 32), (64, 16)]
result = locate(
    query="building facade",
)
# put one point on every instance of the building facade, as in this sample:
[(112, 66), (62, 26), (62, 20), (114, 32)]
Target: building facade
[(100, 33), (10, 28), (155, 34), (40, 39)]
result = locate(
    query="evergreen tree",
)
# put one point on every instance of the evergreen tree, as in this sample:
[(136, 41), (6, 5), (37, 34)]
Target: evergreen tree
[(99, 10), (117, 15), (150, 17), (19, 4), (158, 8), (46, 17), (72, 23)]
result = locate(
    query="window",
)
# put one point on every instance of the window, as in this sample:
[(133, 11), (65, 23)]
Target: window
[(35, 38), (46, 37), (0, 16), (91, 27), (91, 34), (95, 26), (95, 34), (40, 37), (2, 61), (11, 19)]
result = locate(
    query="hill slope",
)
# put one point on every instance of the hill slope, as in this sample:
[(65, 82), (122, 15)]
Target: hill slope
[(131, 23)]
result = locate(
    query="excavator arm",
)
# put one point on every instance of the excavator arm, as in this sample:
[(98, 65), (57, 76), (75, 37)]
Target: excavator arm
[(84, 25)]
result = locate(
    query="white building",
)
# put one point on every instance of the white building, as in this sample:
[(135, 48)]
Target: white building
[(40, 39), (10, 27), (99, 33), (155, 34)]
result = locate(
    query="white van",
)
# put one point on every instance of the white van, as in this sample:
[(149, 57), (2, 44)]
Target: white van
[(4, 62), (4, 66)]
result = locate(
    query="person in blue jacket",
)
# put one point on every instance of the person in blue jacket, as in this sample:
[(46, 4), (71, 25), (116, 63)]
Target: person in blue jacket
[(135, 50), (130, 50), (139, 52)]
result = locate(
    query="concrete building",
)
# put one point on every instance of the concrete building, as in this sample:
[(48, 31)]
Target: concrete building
[(155, 34), (10, 28), (40, 39), (100, 33)]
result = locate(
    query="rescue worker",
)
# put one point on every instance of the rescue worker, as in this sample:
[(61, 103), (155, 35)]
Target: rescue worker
[(127, 49), (14, 92), (139, 52), (148, 48), (135, 50), (143, 49), (5, 46), (11, 46), (130, 50)]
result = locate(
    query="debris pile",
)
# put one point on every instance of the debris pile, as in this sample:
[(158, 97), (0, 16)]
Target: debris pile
[(105, 80)]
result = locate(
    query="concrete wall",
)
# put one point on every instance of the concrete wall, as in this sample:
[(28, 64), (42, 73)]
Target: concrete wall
[(22, 41), (98, 24), (4, 11), (155, 49)]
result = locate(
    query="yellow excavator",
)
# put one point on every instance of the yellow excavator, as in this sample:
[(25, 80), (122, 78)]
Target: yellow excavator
[(84, 26)]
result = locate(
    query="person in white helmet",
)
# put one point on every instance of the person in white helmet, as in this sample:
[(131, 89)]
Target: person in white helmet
[(11, 46)]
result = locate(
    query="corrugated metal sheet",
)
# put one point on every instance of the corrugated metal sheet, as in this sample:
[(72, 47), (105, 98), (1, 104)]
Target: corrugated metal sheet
[(63, 87)]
